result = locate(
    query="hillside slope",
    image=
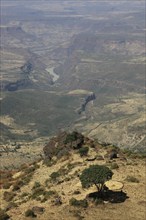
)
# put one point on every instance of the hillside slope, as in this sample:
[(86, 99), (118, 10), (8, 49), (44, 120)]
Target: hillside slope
[(48, 186)]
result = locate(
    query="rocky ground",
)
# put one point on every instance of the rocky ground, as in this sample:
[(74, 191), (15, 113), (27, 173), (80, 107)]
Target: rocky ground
[(48, 187)]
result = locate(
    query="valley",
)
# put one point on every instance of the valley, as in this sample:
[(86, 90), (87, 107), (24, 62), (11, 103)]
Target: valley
[(54, 54), (73, 110)]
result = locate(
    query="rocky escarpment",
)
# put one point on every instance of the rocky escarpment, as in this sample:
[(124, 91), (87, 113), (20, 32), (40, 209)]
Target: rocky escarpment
[(88, 99), (14, 86), (22, 82), (27, 67), (62, 144)]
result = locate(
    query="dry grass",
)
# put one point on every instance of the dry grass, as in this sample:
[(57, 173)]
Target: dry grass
[(68, 183)]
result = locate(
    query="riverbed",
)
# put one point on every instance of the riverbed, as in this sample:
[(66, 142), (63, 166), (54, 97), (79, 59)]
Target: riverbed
[(55, 76)]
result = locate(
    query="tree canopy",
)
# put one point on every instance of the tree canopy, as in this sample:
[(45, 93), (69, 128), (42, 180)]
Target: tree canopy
[(97, 175)]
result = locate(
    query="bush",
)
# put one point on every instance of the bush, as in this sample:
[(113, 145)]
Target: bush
[(114, 166), (11, 205), (30, 213), (48, 194), (54, 176), (75, 140), (48, 162), (17, 185), (8, 196), (30, 169), (7, 185), (37, 192), (82, 203), (36, 185), (132, 179), (83, 151), (24, 194), (4, 215), (71, 137), (77, 215), (62, 153), (27, 178)]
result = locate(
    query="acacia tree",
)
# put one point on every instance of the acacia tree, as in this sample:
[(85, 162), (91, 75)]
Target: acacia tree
[(97, 175)]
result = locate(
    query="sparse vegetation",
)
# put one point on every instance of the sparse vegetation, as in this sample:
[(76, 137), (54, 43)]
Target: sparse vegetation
[(72, 65), (17, 185), (71, 137), (83, 151), (79, 203), (24, 194), (4, 215), (8, 196), (48, 162), (37, 193), (48, 194), (132, 179), (54, 176), (114, 166), (11, 205), (78, 215), (36, 185), (30, 213), (7, 185)]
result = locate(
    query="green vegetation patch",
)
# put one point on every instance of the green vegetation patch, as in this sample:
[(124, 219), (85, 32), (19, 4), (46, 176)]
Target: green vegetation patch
[(79, 203)]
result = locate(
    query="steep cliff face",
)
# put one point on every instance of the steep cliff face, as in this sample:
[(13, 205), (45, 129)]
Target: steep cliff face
[(27, 67), (88, 99)]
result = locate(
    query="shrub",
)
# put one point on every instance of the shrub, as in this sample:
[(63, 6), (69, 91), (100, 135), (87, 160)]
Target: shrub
[(54, 176), (83, 151), (30, 169), (27, 178), (48, 194), (82, 203), (17, 185), (48, 162), (30, 213), (132, 179), (77, 215), (24, 194), (23, 166), (36, 185), (5, 175), (8, 196), (7, 185), (4, 215), (71, 137), (127, 152), (114, 166), (62, 153), (37, 192), (11, 205), (75, 140), (70, 166)]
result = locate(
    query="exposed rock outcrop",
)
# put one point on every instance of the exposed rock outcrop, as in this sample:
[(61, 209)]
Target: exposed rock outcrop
[(88, 99)]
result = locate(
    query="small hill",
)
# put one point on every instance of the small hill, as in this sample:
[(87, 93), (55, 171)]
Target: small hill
[(50, 188)]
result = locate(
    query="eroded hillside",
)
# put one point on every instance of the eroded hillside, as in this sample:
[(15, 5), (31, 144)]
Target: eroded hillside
[(51, 186), (54, 55)]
